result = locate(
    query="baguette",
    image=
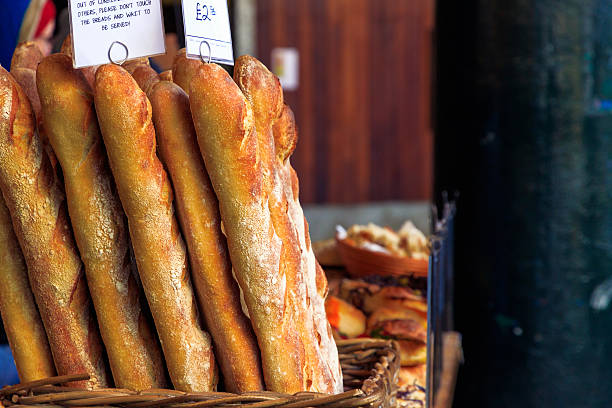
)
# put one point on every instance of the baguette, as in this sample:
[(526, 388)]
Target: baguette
[(26, 55), (99, 227), (132, 64), (25, 61), (145, 77), (35, 200), (183, 69), (124, 114), (198, 213), (264, 250), (166, 75), (89, 73), (24, 329), (274, 120)]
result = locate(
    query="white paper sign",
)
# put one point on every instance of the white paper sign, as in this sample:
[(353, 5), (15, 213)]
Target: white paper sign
[(119, 29), (207, 31)]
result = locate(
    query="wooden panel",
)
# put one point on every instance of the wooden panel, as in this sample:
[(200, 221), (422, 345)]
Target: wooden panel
[(363, 107)]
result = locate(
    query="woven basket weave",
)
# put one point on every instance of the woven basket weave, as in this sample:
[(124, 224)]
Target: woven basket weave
[(370, 368)]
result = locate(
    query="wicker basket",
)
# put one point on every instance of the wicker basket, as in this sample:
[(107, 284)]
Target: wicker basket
[(362, 262), (370, 368)]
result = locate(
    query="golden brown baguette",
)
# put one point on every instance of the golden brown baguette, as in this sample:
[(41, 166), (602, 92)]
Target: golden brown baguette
[(277, 133), (36, 204), (183, 70), (166, 75), (124, 114), (99, 226), (26, 78), (89, 73), (132, 64), (26, 55), (198, 211), (25, 61), (264, 250), (146, 77), (24, 329)]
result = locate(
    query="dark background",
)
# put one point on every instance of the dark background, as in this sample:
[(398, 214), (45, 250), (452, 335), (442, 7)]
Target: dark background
[(524, 132)]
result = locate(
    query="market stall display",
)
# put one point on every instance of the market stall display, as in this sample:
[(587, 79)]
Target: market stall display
[(367, 300), (232, 282)]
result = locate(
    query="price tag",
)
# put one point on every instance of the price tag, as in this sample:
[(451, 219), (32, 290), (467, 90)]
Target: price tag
[(207, 31), (106, 31)]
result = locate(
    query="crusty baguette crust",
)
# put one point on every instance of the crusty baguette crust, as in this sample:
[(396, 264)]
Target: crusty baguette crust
[(89, 73), (265, 252), (26, 78), (183, 69), (24, 64), (99, 226), (146, 77), (198, 211), (26, 55), (226, 134), (166, 75), (124, 114), (276, 126), (36, 203), (24, 329), (132, 64)]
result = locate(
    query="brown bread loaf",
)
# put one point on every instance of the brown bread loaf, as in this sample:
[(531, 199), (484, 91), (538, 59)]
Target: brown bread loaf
[(183, 70), (146, 77), (274, 120), (198, 211), (26, 55), (273, 263), (124, 114), (89, 73), (37, 207), (132, 64), (24, 329), (99, 226), (166, 75), (25, 61)]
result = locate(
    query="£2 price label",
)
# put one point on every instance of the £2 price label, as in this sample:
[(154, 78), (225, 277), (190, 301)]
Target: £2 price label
[(207, 31)]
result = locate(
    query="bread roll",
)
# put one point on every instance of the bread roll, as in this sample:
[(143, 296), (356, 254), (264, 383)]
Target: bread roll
[(184, 69), (99, 226), (124, 114), (36, 204), (237, 144), (24, 329), (198, 211)]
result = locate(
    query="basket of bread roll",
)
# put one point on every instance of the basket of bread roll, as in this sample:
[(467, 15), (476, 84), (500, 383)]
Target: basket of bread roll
[(154, 250), (373, 250), (385, 310)]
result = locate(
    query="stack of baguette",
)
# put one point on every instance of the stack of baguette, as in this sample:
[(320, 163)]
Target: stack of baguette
[(150, 229)]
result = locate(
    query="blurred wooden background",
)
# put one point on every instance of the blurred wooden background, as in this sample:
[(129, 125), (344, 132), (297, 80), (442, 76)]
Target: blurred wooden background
[(363, 106)]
